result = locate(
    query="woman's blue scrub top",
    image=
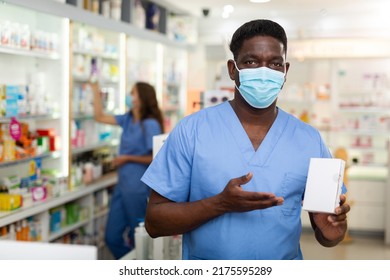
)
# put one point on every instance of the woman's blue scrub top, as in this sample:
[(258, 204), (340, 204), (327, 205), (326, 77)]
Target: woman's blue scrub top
[(136, 139), (210, 147)]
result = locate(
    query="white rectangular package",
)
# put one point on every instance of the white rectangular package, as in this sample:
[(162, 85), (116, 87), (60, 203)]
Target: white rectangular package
[(324, 185)]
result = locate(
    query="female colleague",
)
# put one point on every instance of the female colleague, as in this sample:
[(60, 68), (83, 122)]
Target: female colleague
[(139, 125)]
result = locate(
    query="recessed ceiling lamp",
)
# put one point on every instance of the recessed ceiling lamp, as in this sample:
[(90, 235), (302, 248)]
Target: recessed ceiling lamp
[(259, 1), (227, 10)]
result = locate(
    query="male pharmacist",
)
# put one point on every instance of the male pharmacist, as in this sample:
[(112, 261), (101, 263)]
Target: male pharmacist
[(231, 178)]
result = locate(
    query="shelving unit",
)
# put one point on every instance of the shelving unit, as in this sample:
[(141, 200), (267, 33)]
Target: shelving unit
[(42, 208), (59, 66), (29, 53), (113, 143), (174, 86), (95, 53), (349, 94), (49, 155)]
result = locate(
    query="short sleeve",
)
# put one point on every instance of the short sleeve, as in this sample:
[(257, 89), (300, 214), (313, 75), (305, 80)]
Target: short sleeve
[(169, 174), (152, 128), (122, 119)]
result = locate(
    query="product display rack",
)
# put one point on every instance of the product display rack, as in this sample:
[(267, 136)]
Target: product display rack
[(49, 155), (346, 96), (113, 144), (29, 53), (85, 197), (174, 86), (40, 208)]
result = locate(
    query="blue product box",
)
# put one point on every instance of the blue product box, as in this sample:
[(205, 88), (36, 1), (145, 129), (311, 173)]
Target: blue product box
[(55, 221), (11, 108)]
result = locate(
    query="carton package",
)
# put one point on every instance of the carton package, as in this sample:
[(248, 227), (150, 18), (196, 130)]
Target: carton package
[(324, 185)]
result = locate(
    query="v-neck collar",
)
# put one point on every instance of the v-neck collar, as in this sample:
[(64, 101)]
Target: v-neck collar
[(263, 152)]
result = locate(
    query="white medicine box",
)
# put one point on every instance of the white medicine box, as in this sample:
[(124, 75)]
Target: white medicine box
[(324, 185)]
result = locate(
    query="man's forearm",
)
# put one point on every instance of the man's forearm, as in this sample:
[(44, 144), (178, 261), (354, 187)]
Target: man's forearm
[(171, 218)]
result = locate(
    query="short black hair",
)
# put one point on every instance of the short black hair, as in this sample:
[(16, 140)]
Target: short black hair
[(259, 27)]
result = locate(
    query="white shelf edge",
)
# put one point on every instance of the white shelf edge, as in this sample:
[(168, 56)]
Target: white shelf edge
[(88, 148), (100, 214), (83, 117), (86, 79), (67, 229), (96, 54), (364, 110), (50, 155), (303, 101), (77, 14), (367, 149), (30, 53), (32, 117), (20, 214), (363, 132)]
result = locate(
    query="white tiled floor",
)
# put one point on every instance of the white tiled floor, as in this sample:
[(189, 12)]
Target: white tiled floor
[(360, 248)]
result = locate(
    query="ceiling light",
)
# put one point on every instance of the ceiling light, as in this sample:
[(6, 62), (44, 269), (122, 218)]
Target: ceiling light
[(227, 10), (259, 1)]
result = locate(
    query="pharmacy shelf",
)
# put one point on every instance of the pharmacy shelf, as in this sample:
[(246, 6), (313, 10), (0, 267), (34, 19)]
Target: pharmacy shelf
[(368, 173), (32, 117), (364, 132), (367, 149), (10, 217), (101, 213), (111, 56), (113, 143), (86, 79), (303, 102), (99, 21), (30, 53), (51, 155), (67, 229), (364, 109), (82, 117)]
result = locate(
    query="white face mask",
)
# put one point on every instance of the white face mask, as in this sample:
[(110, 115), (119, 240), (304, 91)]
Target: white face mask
[(260, 86)]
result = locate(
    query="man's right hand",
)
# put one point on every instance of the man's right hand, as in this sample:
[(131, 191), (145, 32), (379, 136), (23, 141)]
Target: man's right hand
[(234, 199)]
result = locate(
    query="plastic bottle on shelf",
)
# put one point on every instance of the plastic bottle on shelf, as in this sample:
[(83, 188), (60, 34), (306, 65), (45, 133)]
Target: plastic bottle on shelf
[(12, 232), (9, 146), (25, 235), (88, 173), (25, 37), (18, 231), (4, 233), (6, 33), (94, 70), (140, 17), (173, 251), (33, 232), (116, 9), (106, 10), (141, 239), (95, 6)]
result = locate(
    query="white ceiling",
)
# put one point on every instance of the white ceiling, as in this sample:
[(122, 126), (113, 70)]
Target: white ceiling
[(244, 8), (300, 18)]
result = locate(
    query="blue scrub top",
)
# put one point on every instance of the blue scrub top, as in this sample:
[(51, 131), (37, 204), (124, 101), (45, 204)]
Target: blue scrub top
[(209, 148), (136, 139)]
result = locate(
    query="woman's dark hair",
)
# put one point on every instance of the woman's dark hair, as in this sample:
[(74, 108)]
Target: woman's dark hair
[(259, 27), (149, 105)]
